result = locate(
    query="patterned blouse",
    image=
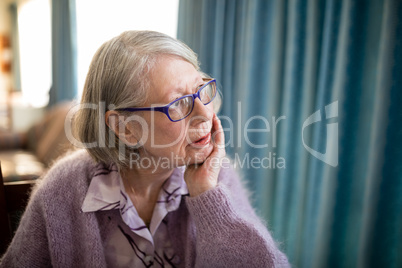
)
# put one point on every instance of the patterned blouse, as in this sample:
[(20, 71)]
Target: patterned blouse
[(140, 247)]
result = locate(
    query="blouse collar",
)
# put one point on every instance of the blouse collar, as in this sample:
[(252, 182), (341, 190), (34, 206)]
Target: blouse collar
[(106, 192)]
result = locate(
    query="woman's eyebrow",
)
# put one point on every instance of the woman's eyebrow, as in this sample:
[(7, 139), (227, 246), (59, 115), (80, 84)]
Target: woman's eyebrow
[(197, 83), (181, 90)]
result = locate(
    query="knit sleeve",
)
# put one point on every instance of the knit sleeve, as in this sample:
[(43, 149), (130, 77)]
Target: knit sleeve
[(229, 234), (29, 247)]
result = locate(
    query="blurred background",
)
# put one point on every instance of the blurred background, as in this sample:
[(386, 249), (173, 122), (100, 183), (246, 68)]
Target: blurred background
[(313, 90)]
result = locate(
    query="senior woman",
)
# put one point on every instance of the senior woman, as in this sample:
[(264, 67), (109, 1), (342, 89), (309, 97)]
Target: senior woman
[(151, 187)]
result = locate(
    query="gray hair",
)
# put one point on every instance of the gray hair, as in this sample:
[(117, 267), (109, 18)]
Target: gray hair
[(118, 77)]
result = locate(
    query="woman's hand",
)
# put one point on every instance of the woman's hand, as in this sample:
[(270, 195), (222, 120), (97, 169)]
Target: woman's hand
[(202, 177)]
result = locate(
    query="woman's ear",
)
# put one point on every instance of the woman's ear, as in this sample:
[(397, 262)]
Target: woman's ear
[(122, 129)]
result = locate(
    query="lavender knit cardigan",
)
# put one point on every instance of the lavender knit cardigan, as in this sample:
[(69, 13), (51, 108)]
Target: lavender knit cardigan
[(215, 229)]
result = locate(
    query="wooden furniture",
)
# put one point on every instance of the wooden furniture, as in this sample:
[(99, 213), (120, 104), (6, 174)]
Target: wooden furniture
[(13, 199)]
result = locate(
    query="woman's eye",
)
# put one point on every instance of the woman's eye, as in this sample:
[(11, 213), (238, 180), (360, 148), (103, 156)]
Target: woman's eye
[(198, 88), (174, 99), (176, 103)]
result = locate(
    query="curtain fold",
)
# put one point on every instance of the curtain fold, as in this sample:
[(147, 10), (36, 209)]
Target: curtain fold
[(317, 85), (64, 51), (15, 65)]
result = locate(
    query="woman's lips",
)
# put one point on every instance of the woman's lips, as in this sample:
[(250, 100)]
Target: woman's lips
[(204, 140)]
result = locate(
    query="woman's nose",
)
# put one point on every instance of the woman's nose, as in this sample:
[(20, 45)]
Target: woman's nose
[(201, 113)]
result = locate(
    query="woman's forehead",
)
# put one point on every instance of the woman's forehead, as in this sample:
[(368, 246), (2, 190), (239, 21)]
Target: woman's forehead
[(173, 76)]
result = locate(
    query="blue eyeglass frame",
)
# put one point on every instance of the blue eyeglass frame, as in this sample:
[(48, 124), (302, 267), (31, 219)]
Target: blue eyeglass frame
[(165, 109)]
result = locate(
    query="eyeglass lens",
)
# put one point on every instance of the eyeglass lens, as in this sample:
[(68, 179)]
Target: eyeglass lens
[(182, 107)]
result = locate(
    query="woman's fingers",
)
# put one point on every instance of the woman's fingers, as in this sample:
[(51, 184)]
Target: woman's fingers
[(214, 160), (200, 178), (218, 136)]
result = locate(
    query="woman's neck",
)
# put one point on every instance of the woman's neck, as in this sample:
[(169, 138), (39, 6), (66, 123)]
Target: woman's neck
[(143, 187), (145, 182)]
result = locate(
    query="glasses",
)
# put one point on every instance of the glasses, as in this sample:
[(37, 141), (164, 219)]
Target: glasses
[(182, 107)]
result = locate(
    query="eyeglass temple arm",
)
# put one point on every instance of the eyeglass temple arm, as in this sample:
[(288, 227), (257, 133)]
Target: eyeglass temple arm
[(162, 109)]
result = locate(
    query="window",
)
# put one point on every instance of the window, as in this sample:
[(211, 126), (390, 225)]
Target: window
[(101, 20), (97, 22), (35, 51)]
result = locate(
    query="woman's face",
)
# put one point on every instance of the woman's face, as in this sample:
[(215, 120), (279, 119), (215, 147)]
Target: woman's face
[(184, 142)]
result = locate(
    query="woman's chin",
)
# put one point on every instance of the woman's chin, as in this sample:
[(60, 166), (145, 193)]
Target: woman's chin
[(199, 154)]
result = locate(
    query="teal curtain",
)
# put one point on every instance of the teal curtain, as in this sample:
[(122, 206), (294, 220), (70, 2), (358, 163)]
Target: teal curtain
[(64, 51), (15, 65), (314, 89)]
